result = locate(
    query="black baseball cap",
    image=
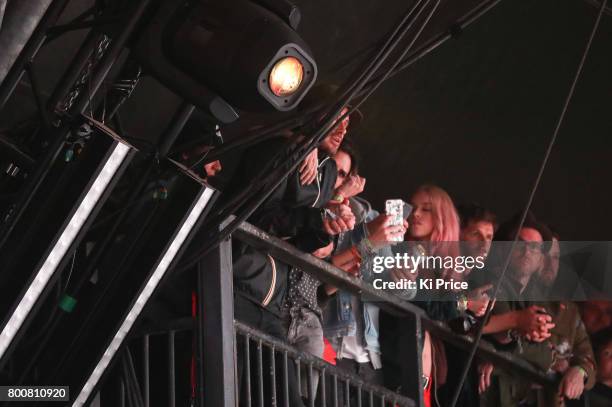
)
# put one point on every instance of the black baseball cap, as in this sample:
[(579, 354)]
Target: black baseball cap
[(326, 93)]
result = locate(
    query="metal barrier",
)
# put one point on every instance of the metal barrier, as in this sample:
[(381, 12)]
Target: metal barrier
[(334, 383), (414, 319), (219, 336), (314, 367), (390, 302)]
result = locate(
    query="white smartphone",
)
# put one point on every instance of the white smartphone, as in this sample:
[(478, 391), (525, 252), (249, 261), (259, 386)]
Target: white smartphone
[(398, 210)]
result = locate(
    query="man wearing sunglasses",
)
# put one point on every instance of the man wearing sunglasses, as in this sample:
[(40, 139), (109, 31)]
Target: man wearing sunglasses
[(520, 323)]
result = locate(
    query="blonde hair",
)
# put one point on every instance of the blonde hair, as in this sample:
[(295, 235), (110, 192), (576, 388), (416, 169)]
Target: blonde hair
[(444, 239)]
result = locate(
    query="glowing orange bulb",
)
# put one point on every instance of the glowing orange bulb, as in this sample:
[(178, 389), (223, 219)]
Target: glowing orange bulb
[(286, 76)]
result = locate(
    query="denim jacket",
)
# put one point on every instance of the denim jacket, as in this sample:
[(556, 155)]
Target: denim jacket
[(339, 316)]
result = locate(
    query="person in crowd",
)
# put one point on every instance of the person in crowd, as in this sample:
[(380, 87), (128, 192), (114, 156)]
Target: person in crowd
[(434, 231), (601, 394), (332, 143), (351, 321), (597, 315), (530, 321), (198, 137), (294, 211), (519, 292), (573, 358), (302, 311), (478, 225), (435, 222)]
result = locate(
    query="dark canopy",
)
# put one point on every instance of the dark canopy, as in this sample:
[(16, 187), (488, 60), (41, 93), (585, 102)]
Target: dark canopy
[(474, 116)]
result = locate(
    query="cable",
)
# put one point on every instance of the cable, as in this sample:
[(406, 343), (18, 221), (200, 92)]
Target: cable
[(129, 364), (380, 79), (194, 165), (70, 272), (387, 47), (434, 42), (568, 99), (431, 44)]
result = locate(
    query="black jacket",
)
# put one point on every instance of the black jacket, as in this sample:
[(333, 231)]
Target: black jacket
[(292, 212)]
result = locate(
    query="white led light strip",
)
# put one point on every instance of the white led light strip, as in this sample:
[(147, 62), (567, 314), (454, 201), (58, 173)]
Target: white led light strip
[(63, 243), (144, 295)]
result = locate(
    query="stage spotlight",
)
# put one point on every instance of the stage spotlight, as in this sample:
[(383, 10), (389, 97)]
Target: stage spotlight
[(177, 242), (240, 51), (102, 180)]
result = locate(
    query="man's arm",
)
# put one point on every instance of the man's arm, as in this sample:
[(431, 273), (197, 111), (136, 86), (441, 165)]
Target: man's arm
[(583, 352), (531, 321), (316, 194), (500, 323)]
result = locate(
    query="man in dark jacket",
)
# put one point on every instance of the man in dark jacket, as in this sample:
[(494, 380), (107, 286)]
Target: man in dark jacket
[(520, 293), (295, 212)]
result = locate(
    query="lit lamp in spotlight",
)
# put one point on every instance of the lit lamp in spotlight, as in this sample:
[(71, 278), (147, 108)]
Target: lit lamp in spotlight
[(286, 76)]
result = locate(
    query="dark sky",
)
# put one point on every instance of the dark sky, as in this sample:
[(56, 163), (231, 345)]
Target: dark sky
[(474, 116)]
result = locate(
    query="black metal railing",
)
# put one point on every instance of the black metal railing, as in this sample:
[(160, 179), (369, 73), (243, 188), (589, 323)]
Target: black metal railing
[(390, 302), (414, 320), (334, 384), (268, 358), (343, 384), (132, 384)]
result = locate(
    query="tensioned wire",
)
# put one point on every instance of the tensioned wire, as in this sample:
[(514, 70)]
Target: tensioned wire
[(534, 189)]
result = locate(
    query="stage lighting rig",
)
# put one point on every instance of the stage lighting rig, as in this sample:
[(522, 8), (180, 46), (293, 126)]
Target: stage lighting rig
[(225, 55), (61, 215)]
